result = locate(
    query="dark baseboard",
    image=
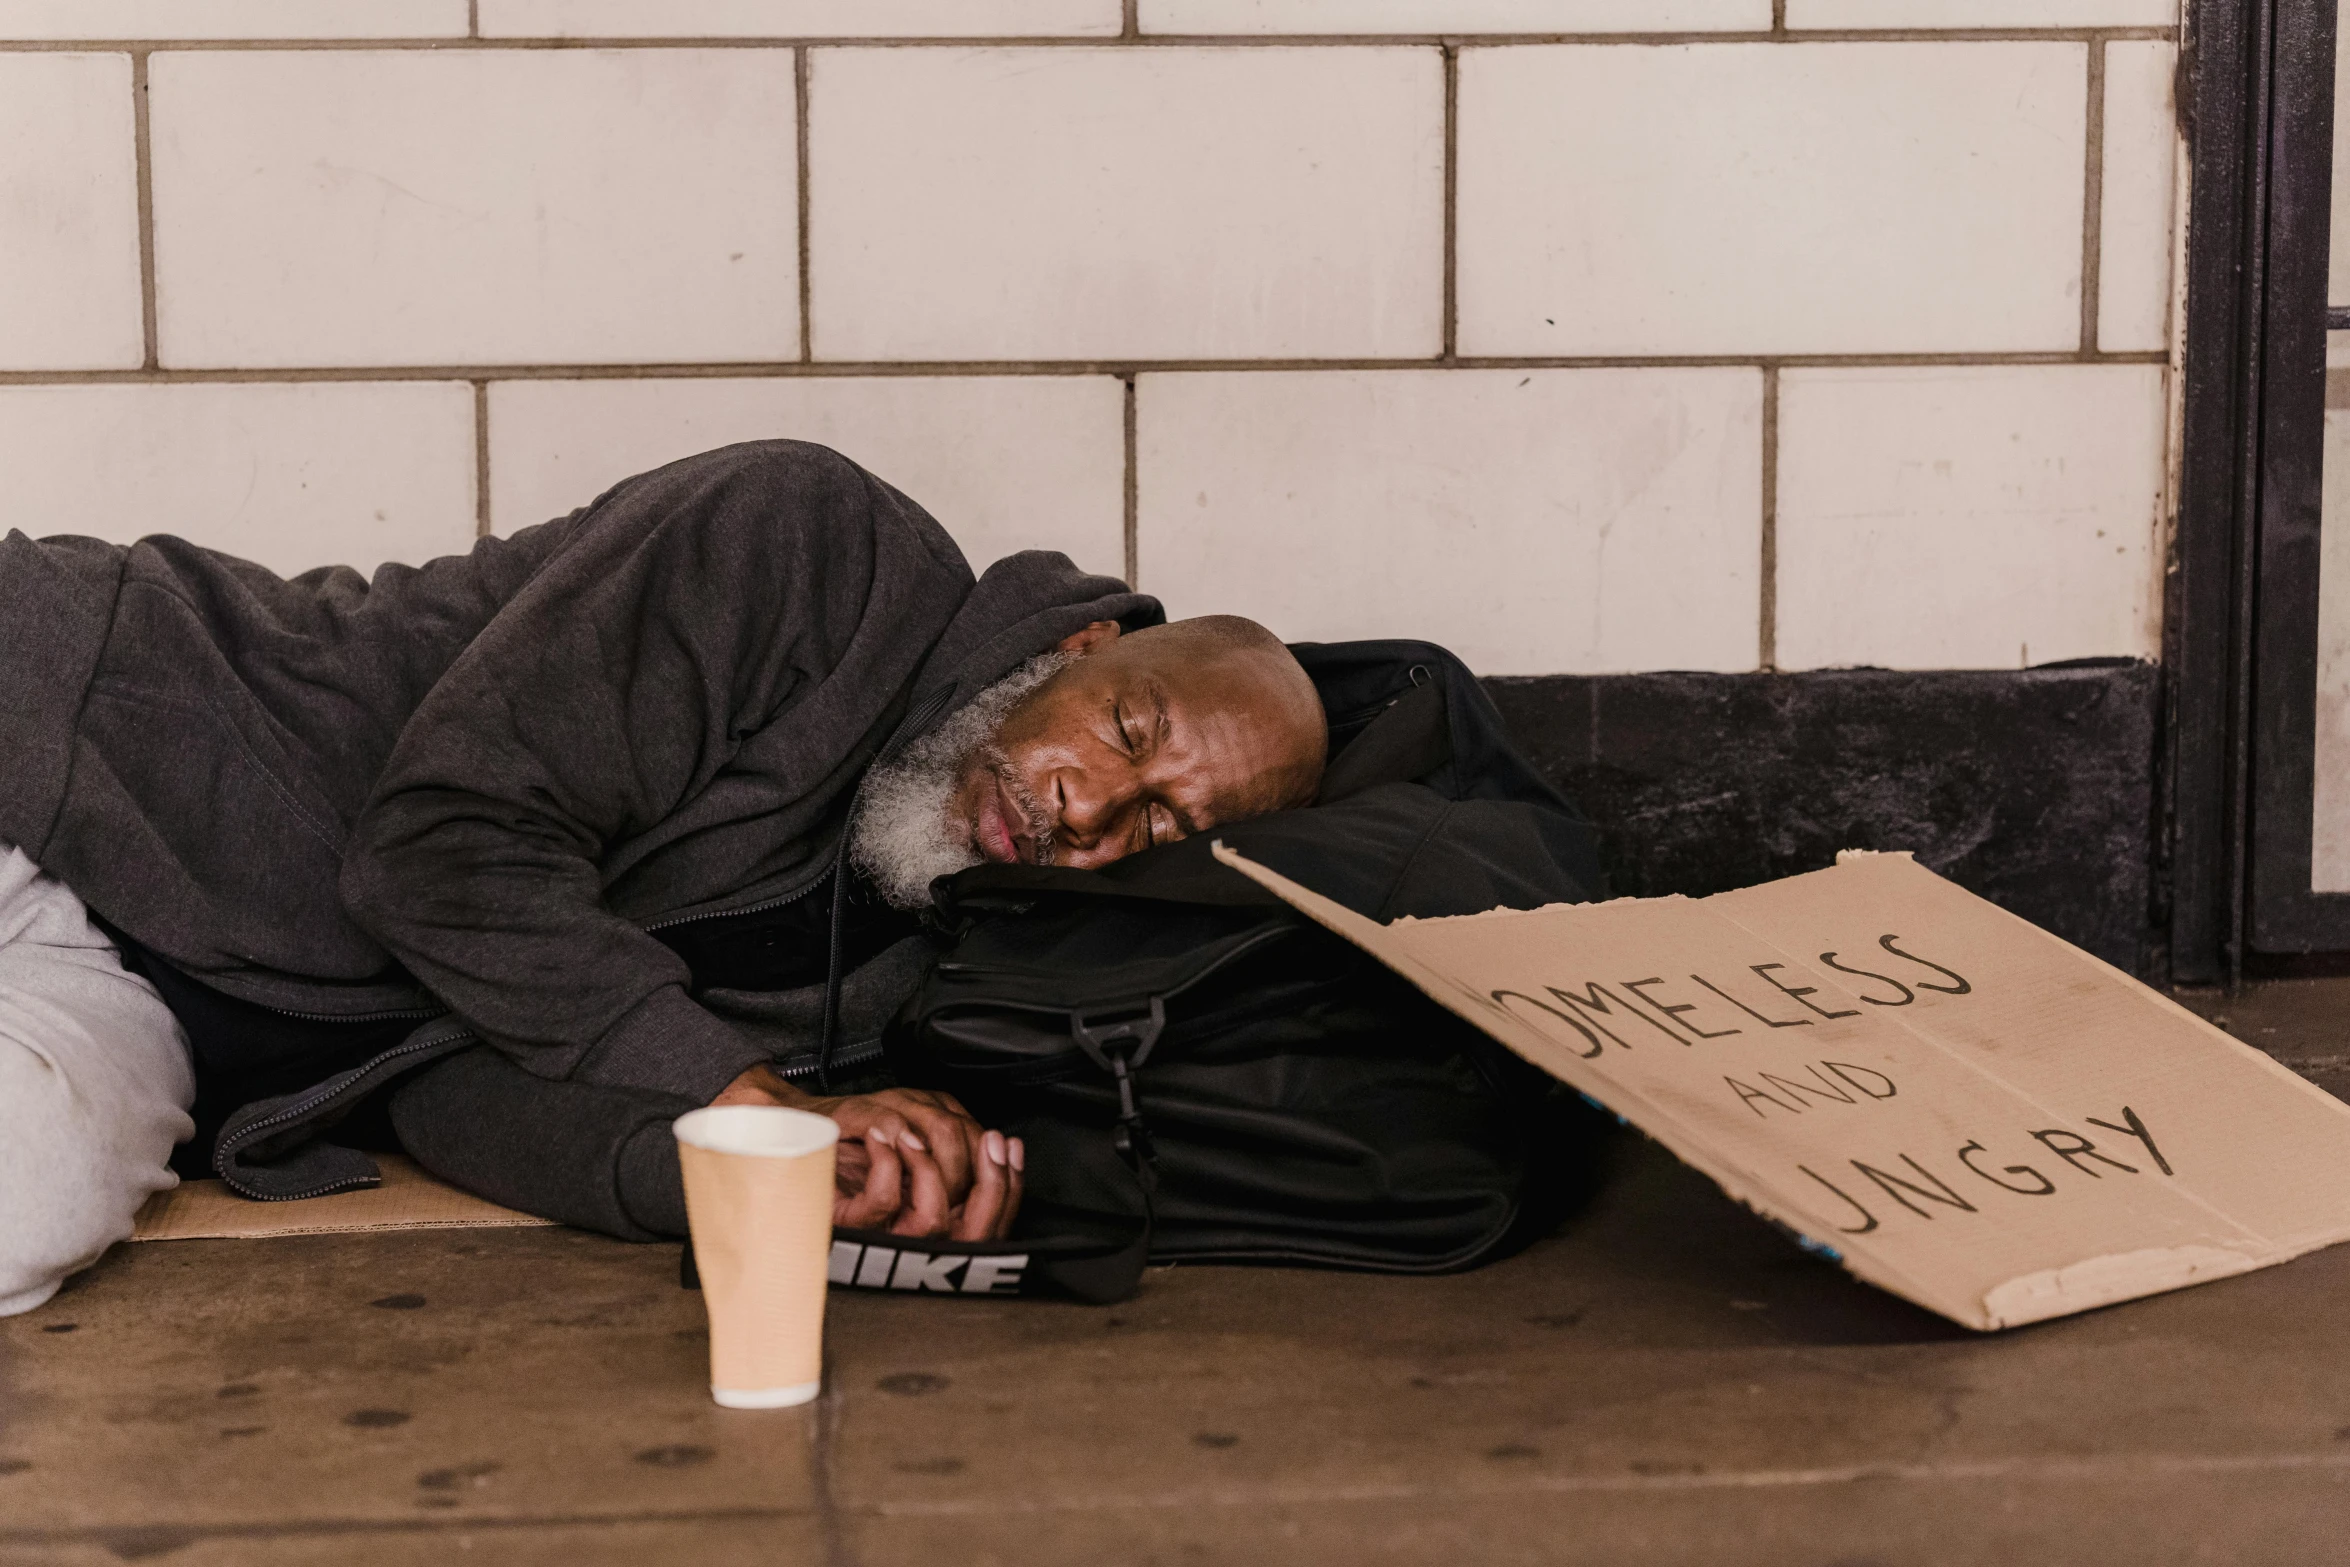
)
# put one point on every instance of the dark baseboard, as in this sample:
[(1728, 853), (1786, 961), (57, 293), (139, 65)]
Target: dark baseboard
[(2034, 787)]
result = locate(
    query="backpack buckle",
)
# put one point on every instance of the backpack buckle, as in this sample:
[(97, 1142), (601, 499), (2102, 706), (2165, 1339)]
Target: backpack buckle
[(1106, 1043), (1098, 1039)]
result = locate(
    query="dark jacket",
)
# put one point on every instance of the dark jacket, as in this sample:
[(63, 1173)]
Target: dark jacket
[(474, 784)]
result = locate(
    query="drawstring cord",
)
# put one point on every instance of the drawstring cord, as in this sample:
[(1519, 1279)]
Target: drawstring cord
[(830, 1036)]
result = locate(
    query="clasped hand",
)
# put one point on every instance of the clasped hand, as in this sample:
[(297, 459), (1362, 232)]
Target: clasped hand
[(910, 1161)]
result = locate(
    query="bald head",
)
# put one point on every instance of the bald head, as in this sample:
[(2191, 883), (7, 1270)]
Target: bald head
[(1142, 739)]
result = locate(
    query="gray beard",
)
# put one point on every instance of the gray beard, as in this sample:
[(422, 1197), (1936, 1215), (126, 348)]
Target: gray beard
[(905, 836)]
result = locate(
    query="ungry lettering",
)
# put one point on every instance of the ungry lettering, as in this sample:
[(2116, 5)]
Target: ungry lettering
[(1903, 1183)]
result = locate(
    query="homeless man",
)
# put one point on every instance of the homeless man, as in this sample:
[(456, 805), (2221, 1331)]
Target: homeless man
[(606, 819)]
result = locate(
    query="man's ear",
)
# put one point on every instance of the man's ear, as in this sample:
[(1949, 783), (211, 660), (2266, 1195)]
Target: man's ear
[(1079, 643)]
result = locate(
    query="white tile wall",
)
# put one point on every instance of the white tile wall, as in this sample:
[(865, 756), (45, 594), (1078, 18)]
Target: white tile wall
[(484, 207), (1824, 198), (1533, 521), (194, 19), (1980, 517), (798, 18), (1087, 203), (505, 210), (1005, 463), (69, 238), (2139, 180), (1982, 13), (293, 476), (1238, 17)]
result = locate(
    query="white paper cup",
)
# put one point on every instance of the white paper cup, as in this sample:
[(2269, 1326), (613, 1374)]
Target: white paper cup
[(758, 1196)]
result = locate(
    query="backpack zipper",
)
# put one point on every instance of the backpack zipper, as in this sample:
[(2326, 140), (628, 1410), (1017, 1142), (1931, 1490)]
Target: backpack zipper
[(846, 1056), (1237, 951)]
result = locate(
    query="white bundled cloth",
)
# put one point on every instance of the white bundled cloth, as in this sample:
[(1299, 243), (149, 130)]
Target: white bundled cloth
[(95, 1086)]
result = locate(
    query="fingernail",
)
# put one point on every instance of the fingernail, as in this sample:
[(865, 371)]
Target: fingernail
[(1019, 1154), (883, 1136), (993, 1146), (914, 1142)]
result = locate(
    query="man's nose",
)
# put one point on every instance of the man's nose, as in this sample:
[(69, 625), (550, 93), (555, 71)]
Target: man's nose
[(1088, 811)]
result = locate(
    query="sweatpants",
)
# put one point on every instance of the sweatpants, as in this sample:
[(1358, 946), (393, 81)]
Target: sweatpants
[(95, 1085)]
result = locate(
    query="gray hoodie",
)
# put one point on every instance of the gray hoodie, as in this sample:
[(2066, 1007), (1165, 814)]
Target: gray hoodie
[(473, 784)]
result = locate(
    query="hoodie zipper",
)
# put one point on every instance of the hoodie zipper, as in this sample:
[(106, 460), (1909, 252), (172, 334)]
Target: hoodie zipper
[(761, 907), (311, 1102), (418, 1013), (888, 752)]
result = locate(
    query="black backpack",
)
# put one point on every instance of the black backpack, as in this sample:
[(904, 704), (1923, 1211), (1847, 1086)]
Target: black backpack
[(1202, 1074)]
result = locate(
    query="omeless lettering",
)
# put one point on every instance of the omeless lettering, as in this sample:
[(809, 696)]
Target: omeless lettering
[(1797, 991), (1958, 985), (2043, 1189), (1595, 999), (1773, 1022), (1674, 1012), (1907, 995), (1633, 985), (1502, 999)]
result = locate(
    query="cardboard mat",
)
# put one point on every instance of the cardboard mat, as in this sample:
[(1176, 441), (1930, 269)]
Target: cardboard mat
[(408, 1199)]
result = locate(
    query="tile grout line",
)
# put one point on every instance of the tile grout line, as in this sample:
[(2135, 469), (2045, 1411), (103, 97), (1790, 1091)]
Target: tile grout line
[(473, 18), (762, 369), (2092, 194), (1767, 613), (1107, 40), (143, 163), (800, 134), (1779, 18), (1130, 21), (481, 459), (2042, 1468), (823, 1447), (1452, 203), (1133, 490)]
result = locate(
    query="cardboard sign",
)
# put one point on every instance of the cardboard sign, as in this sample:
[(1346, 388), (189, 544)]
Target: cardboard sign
[(1958, 1106)]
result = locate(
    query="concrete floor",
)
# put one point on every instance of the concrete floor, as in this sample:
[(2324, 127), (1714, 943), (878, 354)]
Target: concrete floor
[(1664, 1381)]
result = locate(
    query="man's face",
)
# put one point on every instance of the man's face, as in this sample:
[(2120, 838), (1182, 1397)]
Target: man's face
[(1141, 741)]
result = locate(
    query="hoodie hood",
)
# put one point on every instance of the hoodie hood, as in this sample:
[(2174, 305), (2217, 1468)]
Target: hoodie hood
[(1021, 607)]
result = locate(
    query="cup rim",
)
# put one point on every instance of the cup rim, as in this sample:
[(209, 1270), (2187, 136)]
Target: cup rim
[(757, 1131)]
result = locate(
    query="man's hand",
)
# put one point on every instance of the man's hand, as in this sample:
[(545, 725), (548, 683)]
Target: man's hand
[(909, 1161)]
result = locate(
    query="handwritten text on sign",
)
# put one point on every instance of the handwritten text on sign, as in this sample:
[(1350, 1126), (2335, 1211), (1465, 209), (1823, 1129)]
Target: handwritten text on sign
[(1590, 1009), (1976, 1115)]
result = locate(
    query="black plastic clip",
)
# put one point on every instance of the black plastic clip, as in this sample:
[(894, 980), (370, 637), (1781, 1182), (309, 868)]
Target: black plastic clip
[(1118, 1048)]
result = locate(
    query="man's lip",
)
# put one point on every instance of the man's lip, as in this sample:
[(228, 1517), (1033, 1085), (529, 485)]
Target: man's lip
[(1024, 845), (997, 841)]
